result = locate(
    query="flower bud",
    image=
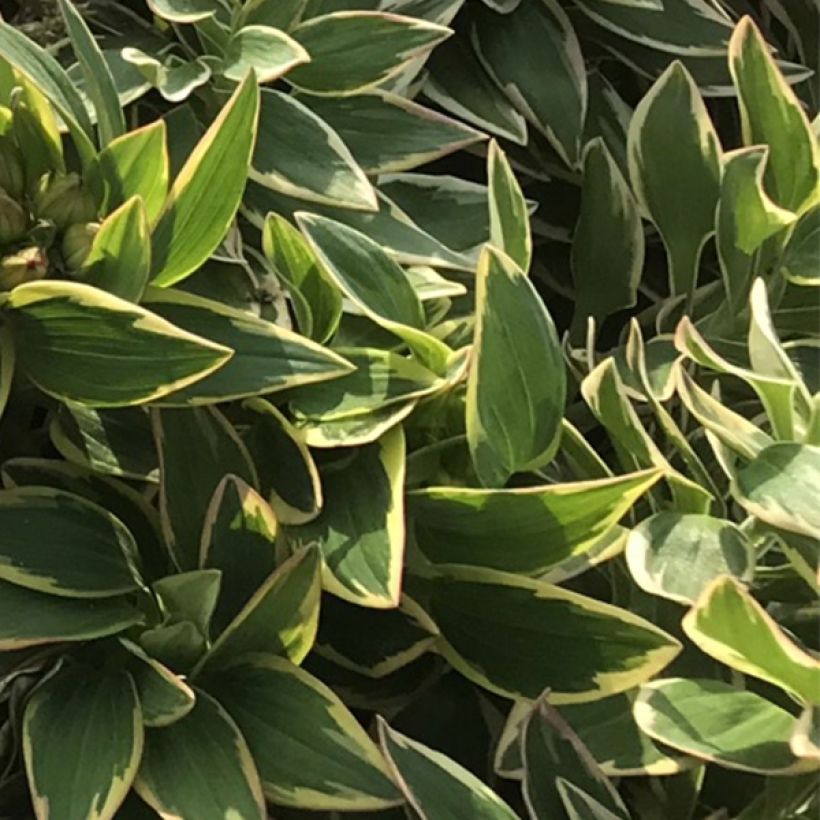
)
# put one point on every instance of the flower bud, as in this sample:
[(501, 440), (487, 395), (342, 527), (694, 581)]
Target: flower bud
[(77, 242), (13, 220), (12, 176), (64, 200), (24, 266)]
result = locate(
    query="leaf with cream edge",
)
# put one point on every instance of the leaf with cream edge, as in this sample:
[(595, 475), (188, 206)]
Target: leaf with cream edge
[(771, 114), (287, 471), (80, 344), (727, 623), (268, 51), (266, 357), (100, 722), (136, 164), (360, 529), (539, 41), (200, 767), (509, 215), (309, 749), (503, 632), (299, 154), (678, 193), (280, 618), (540, 527), (718, 723), (800, 257), (516, 386), (238, 537), (352, 51), (183, 11), (436, 786), (193, 221), (356, 430), (805, 741)]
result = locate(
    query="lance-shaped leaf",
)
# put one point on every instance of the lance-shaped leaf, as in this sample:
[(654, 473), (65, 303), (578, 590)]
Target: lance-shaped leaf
[(608, 243), (779, 487), (279, 13), (509, 217), (374, 283), (287, 472), (504, 633), (136, 164), (120, 257), (100, 723), (30, 618), (677, 556), (194, 220), (266, 357), (396, 637), (309, 749), (299, 154), (316, 301), (539, 41), (197, 449), (460, 85), (238, 536), (60, 543), (771, 114), (799, 260), (268, 51), (387, 133), (351, 51), (355, 430), (718, 723), (436, 786), (360, 529), (183, 11), (539, 527), (280, 618), (99, 84), (200, 767), (728, 624), (175, 78), (553, 753), (678, 192), (81, 344), (746, 218)]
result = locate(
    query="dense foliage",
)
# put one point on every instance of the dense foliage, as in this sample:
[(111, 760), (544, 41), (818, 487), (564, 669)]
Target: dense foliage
[(410, 408)]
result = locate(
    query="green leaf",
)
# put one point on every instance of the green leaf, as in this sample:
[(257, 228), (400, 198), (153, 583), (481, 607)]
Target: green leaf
[(287, 472), (388, 133), (194, 221), (718, 723), (81, 344), (539, 41), (354, 431), (540, 527), (509, 217), (778, 487), (299, 154), (728, 624), (238, 536), (800, 256), (29, 618), (197, 448), (676, 556), (136, 164), (183, 11), (190, 596), (99, 84), (352, 51), (60, 543), (280, 618), (266, 357), (175, 78), (436, 786), (553, 754), (100, 723), (805, 741), (678, 193), (608, 243), (279, 13), (200, 767), (516, 386), (268, 51), (120, 257), (772, 115), (310, 751), (504, 633), (360, 529)]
